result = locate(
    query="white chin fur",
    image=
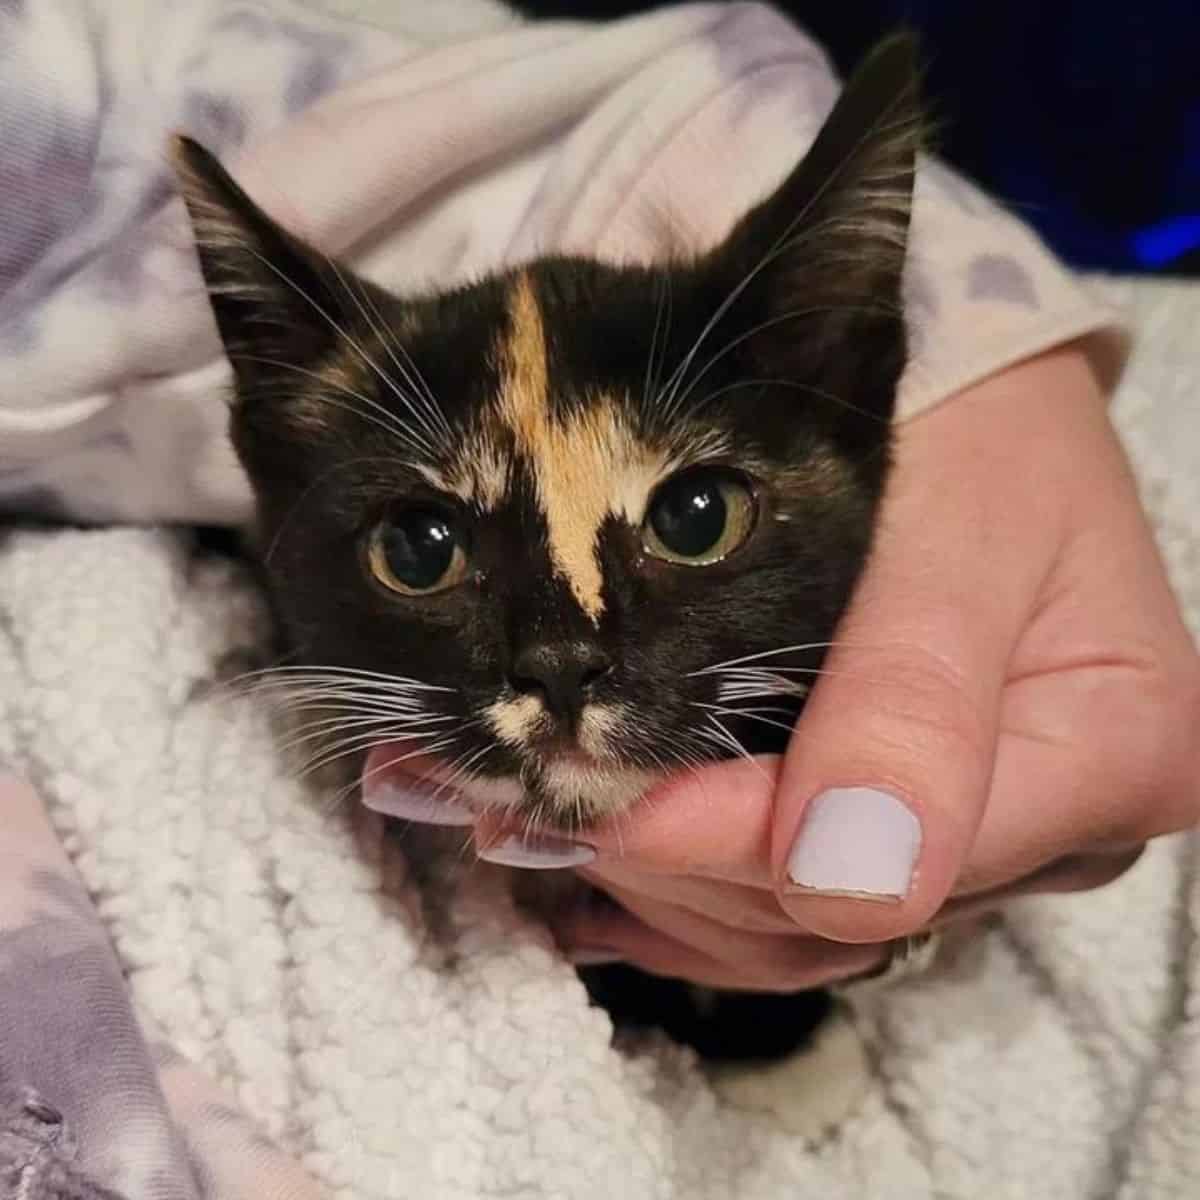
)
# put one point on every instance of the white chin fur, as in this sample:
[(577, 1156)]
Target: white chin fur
[(595, 791), (573, 788), (590, 792)]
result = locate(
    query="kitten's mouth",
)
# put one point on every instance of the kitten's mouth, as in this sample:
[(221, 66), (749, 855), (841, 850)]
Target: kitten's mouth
[(567, 787)]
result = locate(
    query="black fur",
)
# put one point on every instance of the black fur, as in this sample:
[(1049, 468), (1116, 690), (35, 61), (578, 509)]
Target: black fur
[(797, 375)]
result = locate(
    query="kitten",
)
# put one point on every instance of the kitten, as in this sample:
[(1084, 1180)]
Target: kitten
[(554, 533)]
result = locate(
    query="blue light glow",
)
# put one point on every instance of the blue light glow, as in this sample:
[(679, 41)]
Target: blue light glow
[(1162, 243)]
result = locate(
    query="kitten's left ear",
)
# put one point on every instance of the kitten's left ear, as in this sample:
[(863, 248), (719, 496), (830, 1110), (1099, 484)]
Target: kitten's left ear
[(276, 300), (818, 265)]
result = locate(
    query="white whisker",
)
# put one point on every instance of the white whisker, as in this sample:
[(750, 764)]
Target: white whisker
[(753, 714), (679, 397), (789, 236), (375, 413), (349, 672), (723, 737), (806, 388), (357, 745), (796, 648), (342, 333), (379, 769), (435, 424)]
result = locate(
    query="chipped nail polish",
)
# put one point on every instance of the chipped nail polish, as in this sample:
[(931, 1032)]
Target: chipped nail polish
[(858, 842)]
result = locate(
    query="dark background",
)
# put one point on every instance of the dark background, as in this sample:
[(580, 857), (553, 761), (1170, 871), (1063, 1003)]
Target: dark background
[(1082, 117)]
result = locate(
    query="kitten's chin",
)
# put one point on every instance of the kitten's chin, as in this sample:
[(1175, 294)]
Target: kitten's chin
[(566, 791), (572, 793)]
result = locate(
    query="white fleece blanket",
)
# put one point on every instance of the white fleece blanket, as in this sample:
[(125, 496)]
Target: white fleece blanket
[(278, 943), (285, 952)]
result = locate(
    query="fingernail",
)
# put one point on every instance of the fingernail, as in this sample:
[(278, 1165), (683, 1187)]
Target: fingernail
[(537, 853), (593, 956), (856, 842), (417, 804)]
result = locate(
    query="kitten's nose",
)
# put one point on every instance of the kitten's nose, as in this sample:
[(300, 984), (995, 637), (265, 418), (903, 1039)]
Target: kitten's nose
[(563, 673)]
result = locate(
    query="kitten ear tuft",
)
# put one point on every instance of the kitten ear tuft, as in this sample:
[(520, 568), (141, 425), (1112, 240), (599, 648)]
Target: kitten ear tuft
[(209, 192), (822, 258), (270, 293)]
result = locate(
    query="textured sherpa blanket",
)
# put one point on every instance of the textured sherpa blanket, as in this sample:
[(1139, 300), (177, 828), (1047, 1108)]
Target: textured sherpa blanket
[(213, 982), (278, 945)]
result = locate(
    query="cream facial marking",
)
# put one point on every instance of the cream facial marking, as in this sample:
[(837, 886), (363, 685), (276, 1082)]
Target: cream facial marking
[(586, 465), (433, 477), (515, 721), (480, 475), (600, 725)]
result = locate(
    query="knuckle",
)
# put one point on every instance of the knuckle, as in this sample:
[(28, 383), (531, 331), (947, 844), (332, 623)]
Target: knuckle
[(1159, 748)]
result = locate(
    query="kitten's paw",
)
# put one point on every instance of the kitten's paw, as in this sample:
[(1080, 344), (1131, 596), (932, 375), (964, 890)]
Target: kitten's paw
[(810, 1092)]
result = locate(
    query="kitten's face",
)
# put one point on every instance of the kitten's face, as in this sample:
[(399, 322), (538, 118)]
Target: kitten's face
[(529, 526)]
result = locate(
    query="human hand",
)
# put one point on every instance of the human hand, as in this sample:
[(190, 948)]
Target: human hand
[(1013, 683)]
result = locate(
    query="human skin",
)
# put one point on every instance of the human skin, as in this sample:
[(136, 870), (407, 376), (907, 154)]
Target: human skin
[(1013, 683)]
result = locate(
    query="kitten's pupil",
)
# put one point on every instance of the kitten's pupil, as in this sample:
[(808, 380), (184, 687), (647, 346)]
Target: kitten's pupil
[(417, 549), (689, 516), (699, 517)]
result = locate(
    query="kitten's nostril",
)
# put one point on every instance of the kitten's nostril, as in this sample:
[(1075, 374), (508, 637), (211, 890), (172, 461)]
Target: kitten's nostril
[(562, 673), (594, 673), (525, 684)]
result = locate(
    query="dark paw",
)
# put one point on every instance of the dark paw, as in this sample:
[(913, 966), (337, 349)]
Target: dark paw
[(720, 1026)]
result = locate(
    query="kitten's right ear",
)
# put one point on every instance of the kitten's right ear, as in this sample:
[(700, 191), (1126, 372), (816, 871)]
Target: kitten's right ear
[(275, 299)]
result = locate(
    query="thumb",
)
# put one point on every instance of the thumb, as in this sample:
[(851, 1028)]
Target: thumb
[(886, 777), (885, 780), (885, 783)]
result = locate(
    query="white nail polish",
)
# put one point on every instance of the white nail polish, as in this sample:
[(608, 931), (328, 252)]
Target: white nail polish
[(538, 854), (857, 842), (418, 804)]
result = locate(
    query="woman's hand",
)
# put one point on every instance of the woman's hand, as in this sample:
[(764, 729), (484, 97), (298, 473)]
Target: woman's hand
[(1012, 706)]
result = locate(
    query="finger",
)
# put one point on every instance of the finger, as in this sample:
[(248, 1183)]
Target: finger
[(714, 822), (886, 777), (1101, 719), (1085, 786), (733, 905), (658, 955), (1076, 873), (655, 934)]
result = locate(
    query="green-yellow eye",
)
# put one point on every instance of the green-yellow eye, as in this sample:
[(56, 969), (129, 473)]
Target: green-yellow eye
[(417, 551), (699, 517)]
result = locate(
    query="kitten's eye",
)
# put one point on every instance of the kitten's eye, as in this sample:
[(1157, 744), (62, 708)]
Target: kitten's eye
[(417, 551), (699, 517)]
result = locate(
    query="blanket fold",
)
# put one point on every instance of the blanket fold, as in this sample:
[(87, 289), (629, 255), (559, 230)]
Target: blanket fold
[(278, 946), (215, 982), (424, 165)]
